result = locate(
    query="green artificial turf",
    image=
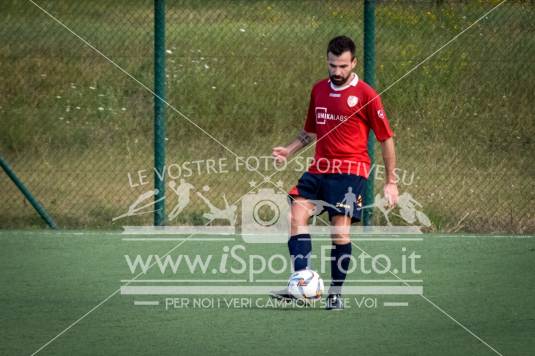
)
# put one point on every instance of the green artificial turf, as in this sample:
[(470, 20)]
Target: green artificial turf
[(51, 279)]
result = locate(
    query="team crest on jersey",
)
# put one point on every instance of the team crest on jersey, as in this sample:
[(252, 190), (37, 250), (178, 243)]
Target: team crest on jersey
[(352, 100), (381, 114)]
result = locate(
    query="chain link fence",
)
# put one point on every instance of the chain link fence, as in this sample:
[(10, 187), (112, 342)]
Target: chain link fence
[(78, 130)]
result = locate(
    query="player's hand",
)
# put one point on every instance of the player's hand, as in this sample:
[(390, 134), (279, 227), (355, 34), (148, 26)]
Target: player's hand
[(280, 154), (391, 194)]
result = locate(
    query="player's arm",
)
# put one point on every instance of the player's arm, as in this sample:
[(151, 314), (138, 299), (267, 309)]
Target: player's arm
[(303, 139), (389, 159)]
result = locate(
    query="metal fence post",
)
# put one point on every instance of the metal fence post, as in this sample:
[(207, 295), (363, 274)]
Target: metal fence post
[(159, 112), (28, 195), (369, 77)]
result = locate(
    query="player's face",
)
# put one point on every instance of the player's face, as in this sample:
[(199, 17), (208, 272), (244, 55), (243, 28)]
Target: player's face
[(340, 67)]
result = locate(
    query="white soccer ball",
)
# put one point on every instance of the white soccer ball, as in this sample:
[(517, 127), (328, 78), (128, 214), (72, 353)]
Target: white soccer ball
[(305, 285)]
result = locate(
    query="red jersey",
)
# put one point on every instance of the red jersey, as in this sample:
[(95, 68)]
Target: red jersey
[(341, 117)]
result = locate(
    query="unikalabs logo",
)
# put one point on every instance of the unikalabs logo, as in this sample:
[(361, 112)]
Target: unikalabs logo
[(322, 116)]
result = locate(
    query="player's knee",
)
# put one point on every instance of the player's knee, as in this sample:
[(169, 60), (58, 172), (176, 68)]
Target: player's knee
[(298, 218), (340, 238)]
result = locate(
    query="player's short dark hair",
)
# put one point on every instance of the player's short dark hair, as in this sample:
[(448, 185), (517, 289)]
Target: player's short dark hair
[(341, 44)]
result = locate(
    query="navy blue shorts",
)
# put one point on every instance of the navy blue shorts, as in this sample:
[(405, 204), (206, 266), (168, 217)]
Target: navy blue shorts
[(339, 194)]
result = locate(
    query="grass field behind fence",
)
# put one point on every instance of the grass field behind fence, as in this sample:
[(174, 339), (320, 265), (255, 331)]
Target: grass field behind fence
[(73, 126)]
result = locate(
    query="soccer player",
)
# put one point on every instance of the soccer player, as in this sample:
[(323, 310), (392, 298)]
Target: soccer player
[(341, 112)]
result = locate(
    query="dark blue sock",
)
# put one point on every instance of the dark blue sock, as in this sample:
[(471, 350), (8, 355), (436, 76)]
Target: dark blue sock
[(300, 247), (340, 258)]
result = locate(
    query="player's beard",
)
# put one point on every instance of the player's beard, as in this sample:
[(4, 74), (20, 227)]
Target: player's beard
[(339, 80)]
